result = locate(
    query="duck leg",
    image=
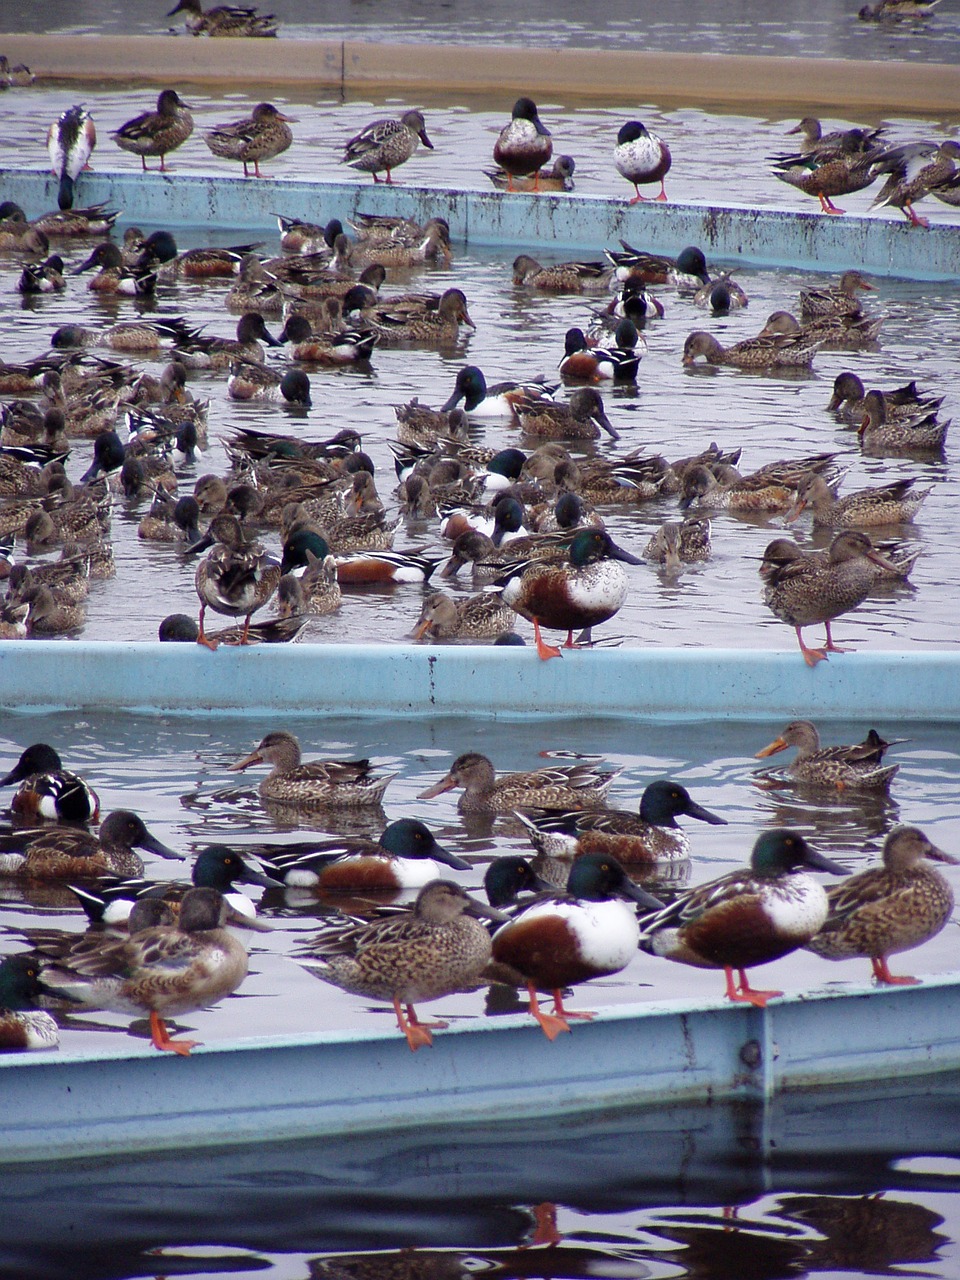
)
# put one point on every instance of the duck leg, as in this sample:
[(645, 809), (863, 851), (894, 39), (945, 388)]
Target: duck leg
[(550, 1024), (810, 656), (161, 1037), (638, 197), (417, 1033), (544, 650), (882, 974), (830, 646), (827, 205), (915, 218), (663, 192), (561, 1012), (201, 638), (744, 993)]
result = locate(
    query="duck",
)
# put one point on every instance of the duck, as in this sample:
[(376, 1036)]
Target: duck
[(581, 418), (42, 277), (618, 363), (298, 236), (747, 917), (889, 909), (437, 948), (849, 394), (18, 76), (916, 170), (687, 272), (237, 577), (47, 790), (63, 853), (523, 145), (19, 236), (263, 135), (157, 133), (559, 177), (918, 432), (841, 767), (406, 856), (432, 246), (94, 220), (343, 783), (206, 262), (586, 589), (113, 276), (224, 20), (163, 970), (383, 567), (834, 333), (561, 277), (768, 351), (495, 401), (23, 1025), (651, 836), (837, 299), (895, 503), (802, 593), (70, 142), (252, 381), (578, 786), (315, 591), (178, 628), (824, 174), (561, 940), (48, 615), (679, 542), (255, 290), (815, 140), (169, 521), (510, 883), (332, 347), (386, 144), (630, 478), (641, 157), (897, 10), (478, 617), (203, 351), (425, 428), (438, 326), (721, 294)]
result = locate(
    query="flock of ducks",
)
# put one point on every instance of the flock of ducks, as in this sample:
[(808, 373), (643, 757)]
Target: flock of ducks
[(570, 912)]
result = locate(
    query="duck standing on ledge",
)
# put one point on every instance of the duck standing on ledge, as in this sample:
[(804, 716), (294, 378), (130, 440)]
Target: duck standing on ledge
[(641, 157), (70, 142), (385, 144), (524, 144)]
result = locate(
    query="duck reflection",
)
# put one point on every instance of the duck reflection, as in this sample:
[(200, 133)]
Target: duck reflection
[(866, 1233)]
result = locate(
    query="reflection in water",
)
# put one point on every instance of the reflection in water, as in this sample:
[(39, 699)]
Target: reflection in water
[(868, 1233)]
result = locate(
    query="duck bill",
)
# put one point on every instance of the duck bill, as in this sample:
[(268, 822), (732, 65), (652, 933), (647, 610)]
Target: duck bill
[(882, 562), (270, 340), (618, 553), (419, 631), (439, 854), (771, 749), (253, 758), (152, 845), (821, 863), (248, 922), (630, 889), (84, 266), (438, 788), (795, 511), (695, 810), (252, 876), (465, 318), (541, 128), (422, 135), (603, 421), (941, 855), (204, 544), (482, 912)]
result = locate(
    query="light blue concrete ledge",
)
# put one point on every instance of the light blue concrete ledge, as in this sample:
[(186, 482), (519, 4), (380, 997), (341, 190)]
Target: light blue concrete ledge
[(882, 245), (486, 1070), (413, 680)]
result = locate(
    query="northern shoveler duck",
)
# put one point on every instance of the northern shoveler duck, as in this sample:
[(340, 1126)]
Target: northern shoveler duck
[(618, 363), (815, 140), (897, 10), (113, 276), (478, 617), (687, 272), (47, 790), (64, 853), (315, 591), (264, 134), (169, 521), (577, 786), (159, 252), (524, 144), (22, 1024), (774, 351), (70, 142), (679, 542), (836, 165), (916, 170), (586, 589), (256, 290), (849, 394), (833, 333), (641, 157), (392, 228), (581, 418), (434, 950), (432, 246), (889, 909), (344, 346), (837, 299), (802, 592), (179, 628), (559, 177), (407, 856), (203, 351), (110, 901), (252, 381), (419, 425), (18, 76), (920, 432), (224, 20), (748, 917), (237, 577), (162, 970), (721, 294), (297, 236), (439, 326), (653, 835), (95, 220), (42, 277), (771, 488), (496, 401), (509, 881), (385, 144), (50, 616), (319, 782), (895, 503), (561, 277), (157, 133), (839, 767), (561, 940), (362, 567), (19, 236)]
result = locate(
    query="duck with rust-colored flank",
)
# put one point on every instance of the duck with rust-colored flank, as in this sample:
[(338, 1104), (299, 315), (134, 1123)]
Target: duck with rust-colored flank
[(113, 276), (47, 790), (559, 177), (652, 835), (437, 948), (619, 363), (748, 917), (264, 134), (842, 767), (895, 503), (561, 940), (22, 1024), (318, 782), (206, 262), (386, 144), (479, 617), (67, 853), (330, 347), (888, 909), (524, 145), (804, 592), (162, 970), (561, 277), (357, 567), (577, 786), (157, 133), (70, 142), (237, 578), (687, 272), (496, 401), (224, 20), (641, 157)]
